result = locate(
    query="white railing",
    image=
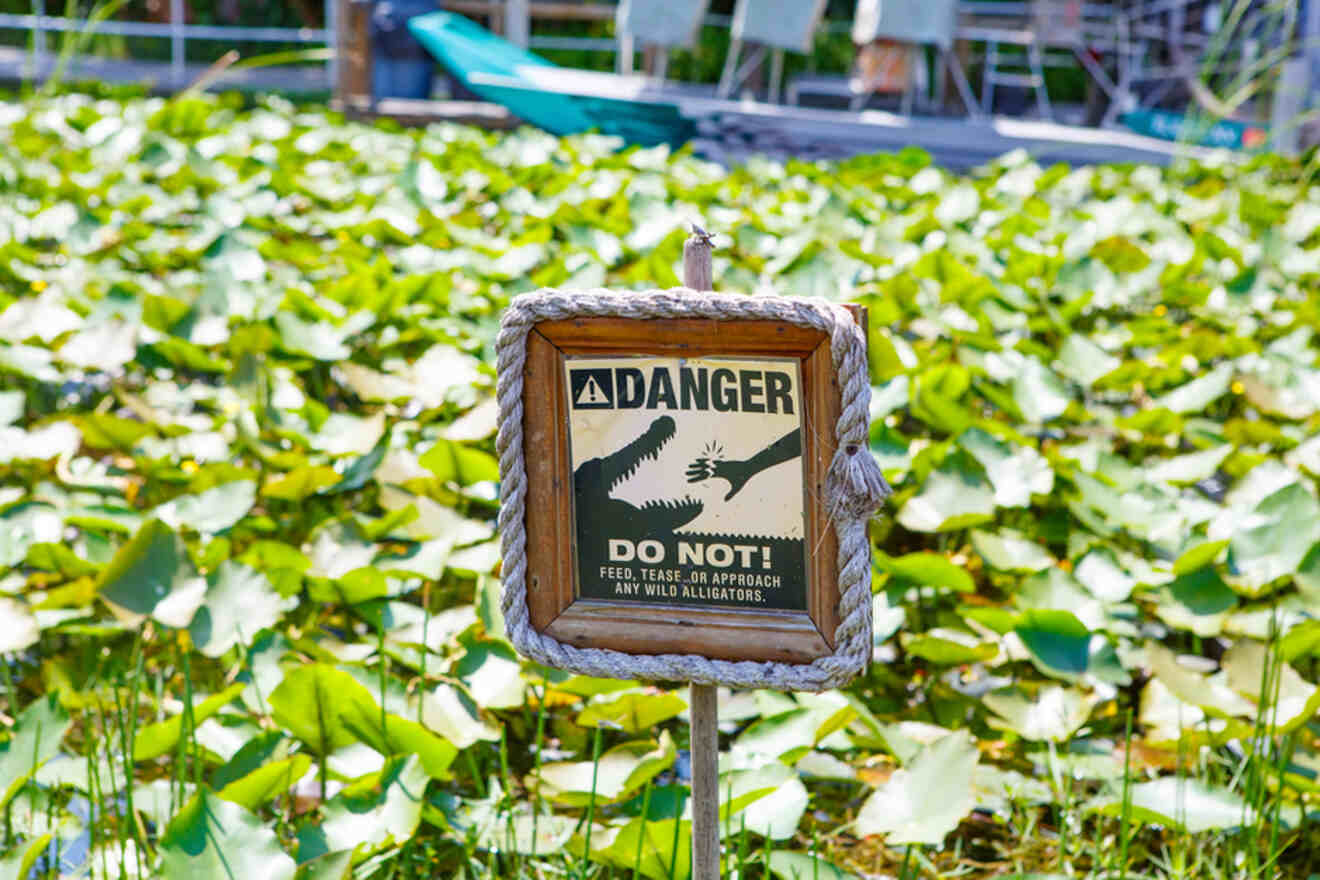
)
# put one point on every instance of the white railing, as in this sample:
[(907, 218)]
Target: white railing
[(176, 30)]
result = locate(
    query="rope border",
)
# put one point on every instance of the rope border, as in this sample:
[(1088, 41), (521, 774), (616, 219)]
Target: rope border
[(854, 488)]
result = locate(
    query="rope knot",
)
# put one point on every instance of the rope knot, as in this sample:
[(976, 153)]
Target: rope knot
[(854, 485)]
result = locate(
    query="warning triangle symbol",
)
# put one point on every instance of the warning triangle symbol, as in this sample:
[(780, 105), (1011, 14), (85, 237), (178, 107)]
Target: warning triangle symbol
[(591, 394)]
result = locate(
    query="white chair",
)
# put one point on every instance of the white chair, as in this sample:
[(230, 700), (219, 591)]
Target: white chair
[(643, 23), (918, 23), (773, 26)]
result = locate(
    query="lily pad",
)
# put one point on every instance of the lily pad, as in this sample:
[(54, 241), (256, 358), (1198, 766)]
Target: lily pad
[(952, 497), (1008, 550), (924, 801), (1179, 802), (215, 838)]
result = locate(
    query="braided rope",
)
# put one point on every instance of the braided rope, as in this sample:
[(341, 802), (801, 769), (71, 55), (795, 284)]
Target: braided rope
[(854, 486)]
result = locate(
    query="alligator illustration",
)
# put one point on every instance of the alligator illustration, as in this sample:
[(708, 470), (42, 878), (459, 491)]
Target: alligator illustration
[(598, 514), (601, 517)]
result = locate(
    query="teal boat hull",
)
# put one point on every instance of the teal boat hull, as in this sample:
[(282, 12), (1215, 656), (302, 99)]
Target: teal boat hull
[(1170, 126), (467, 49)]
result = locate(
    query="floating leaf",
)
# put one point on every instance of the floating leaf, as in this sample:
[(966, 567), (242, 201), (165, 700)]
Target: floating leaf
[(492, 672), (34, 740), (945, 647), (775, 806), (301, 483), (266, 782), (632, 713), (1039, 393), (1083, 361), (1010, 551), (239, 603), (212, 511), (152, 575), (211, 837), (619, 773), (451, 461), (1190, 468), (1281, 531), (1187, 804), (154, 740), (18, 628), (378, 809), (925, 800), (1017, 473), (926, 570), (952, 498), (1198, 394), (661, 850), (787, 865), (1290, 700), (310, 700), (1054, 713), (1059, 643)]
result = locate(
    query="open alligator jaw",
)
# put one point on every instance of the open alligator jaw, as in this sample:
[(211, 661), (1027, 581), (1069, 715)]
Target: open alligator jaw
[(671, 515), (620, 466)]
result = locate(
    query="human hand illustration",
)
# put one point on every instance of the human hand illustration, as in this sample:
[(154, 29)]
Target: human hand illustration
[(736, 472), (739, 472)]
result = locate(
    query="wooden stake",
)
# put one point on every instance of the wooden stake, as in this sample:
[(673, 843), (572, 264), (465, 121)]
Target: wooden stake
[(697, 271), (703, 737), (704, 746)]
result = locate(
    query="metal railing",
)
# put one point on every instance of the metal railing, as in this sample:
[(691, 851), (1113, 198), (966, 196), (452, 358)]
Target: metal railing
[(176, 30)]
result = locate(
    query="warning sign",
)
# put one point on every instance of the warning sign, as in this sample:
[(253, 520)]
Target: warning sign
[(687, 480)]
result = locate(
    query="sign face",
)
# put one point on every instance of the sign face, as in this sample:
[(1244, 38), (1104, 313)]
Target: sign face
[(675, 473), (688, 480)]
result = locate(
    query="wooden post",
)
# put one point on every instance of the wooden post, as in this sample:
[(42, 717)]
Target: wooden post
[(517, 25), (705, 749), (703, 738)]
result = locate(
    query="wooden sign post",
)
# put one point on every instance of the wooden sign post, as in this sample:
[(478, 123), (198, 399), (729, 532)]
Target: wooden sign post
[(685, 490)]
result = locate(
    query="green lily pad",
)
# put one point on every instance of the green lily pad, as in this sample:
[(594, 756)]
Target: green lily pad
[(33, 741), (266, 782), (451, 461), (211, 837), (492, 674), (925, 800), (952, 497), (310, 700), (18, 627), (659, 849), (378, 809), (632, 712), (1016, 472), (620, 772), (1179, 802), (1198, 394), (768, 801), (1008, 550), (945, 647), (787, 865), (152, 575), (1054, 713), (156, 739), (1059, 643), (1040, 394), (926, 570), (239, 602), (1282, 530), (1083, 361)]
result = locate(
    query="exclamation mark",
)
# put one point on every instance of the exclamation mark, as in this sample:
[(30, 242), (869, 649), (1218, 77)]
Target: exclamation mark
[(765, 557)]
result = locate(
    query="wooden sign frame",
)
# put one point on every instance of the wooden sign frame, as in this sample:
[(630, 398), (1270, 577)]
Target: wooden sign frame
[(554, 607)]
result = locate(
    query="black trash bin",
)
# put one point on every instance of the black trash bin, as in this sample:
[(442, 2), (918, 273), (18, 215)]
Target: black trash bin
[(400, 67)]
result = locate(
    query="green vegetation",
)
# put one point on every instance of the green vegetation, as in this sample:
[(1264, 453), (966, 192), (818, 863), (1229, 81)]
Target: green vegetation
[(248, 565)]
